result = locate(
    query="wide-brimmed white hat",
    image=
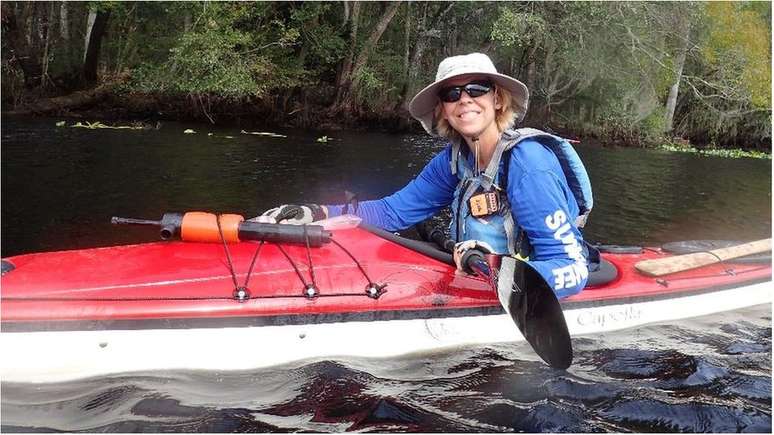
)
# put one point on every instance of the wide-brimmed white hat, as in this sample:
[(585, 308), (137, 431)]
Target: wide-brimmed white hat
[(422, 106)]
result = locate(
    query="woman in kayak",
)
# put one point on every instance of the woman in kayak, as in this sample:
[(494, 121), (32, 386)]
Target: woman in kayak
[(512, 192)]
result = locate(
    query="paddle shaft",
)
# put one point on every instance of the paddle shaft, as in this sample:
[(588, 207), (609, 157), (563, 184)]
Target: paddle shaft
[(679, 263)]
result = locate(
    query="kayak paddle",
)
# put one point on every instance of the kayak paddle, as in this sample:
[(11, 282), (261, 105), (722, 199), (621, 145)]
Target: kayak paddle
[(524, 295), (531, 303), (679, 263)]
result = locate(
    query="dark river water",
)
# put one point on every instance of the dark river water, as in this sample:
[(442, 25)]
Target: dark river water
[(60, 186)]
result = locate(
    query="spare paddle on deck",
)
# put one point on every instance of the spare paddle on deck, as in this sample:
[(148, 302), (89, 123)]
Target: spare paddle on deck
[(198, 226), (525, 296), (679, 263)]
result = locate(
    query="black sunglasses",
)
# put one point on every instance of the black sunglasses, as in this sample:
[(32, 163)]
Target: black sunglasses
[(474, 89)]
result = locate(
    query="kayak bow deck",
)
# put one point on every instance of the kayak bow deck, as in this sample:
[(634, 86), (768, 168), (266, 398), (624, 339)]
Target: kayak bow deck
[(171, 305)]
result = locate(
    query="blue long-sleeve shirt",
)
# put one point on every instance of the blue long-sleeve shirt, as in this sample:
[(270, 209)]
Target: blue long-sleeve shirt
[(541, 202)]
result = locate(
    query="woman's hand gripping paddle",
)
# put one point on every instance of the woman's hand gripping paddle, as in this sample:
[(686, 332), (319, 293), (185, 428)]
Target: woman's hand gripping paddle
[(530, 302)]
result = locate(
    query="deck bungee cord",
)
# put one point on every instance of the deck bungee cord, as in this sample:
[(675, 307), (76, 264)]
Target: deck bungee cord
[(727, 272), (172, 225), (523, 293), (373, 290), (307, 235)]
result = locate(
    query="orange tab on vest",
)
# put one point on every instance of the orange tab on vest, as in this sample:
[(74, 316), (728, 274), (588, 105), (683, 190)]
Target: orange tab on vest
[(484, 204), (200, 226)]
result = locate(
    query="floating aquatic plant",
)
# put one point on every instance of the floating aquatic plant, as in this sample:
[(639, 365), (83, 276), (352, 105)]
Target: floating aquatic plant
[(717, 152)]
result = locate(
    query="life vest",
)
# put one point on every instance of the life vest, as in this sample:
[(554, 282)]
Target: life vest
[(499, 229)]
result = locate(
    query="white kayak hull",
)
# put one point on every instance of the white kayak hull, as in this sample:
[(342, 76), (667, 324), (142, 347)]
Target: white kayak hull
[(55, 356)]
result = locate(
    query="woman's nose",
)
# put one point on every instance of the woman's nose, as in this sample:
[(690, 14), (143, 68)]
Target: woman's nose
[(465, 98)]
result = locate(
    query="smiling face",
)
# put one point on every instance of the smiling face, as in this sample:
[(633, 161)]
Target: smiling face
[(471, 117)]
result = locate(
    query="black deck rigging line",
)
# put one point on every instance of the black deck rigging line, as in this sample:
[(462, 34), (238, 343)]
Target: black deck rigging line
[(370, 282), (292, 263), (727, 272), (228, 254), (252, 263), (309, 257)]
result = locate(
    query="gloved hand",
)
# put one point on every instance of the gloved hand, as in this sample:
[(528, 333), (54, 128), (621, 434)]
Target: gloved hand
[(293, 214), (462, 247)]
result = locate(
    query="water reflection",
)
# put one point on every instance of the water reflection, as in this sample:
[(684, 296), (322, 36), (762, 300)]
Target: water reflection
[(60, 186)]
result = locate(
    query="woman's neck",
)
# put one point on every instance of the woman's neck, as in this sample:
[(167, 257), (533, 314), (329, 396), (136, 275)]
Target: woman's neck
[(486, 144)]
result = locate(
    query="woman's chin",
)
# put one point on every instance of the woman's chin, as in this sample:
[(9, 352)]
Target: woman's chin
[(465, 127), (471, 131)]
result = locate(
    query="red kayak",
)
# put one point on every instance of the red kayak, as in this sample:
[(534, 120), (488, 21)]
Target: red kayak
[(177, 305)]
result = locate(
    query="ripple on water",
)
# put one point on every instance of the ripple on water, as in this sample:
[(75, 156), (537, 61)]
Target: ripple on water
[(644, 415), (620, 382)]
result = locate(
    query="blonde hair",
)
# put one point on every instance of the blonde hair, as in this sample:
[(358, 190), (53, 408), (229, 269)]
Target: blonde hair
[(505, 116)]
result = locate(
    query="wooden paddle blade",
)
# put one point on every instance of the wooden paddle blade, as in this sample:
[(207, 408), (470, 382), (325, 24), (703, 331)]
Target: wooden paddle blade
[(534, 308), (679, 263)]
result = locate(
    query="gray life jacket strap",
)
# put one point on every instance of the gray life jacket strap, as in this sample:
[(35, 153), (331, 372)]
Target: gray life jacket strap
[(510, 227), (508, 140), (455, 154)]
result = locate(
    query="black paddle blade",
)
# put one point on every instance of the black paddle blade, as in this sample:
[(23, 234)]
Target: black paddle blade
[(534, 308)]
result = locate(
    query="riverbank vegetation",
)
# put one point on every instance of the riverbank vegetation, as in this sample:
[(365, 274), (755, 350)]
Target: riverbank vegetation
[(636, 73)]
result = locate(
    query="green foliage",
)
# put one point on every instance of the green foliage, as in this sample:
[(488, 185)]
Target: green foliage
[(208, 62), (728, 90), (377, 86), (601, 68), (738, 49), (319, 33), (652, 126), (222, 56), (516, 28)]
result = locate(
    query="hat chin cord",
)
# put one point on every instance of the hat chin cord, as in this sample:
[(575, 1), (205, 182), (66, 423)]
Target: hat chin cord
[(476, 167)]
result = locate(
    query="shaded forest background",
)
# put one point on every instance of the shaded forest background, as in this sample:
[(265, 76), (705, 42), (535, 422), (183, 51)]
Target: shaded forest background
[(636, 73)]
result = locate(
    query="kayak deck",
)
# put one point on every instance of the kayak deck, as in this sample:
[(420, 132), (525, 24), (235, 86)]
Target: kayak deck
[(169, 306), (182, 280)]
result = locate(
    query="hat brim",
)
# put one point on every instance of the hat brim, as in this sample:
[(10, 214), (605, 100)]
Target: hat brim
[(422, 106)]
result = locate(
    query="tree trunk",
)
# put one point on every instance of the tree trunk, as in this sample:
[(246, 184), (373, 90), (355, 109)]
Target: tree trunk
[(66, 102), (416, 59), (19, 20), (345, 99), (674, 90), (424, 35), (187, 21), (407, 45), (97, 24), (44, 60), (345, 74), (89, 25), (64, 22), (531, 68)]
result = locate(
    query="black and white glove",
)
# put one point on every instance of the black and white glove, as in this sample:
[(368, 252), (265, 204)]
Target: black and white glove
[(463, 247), (293, 214)]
